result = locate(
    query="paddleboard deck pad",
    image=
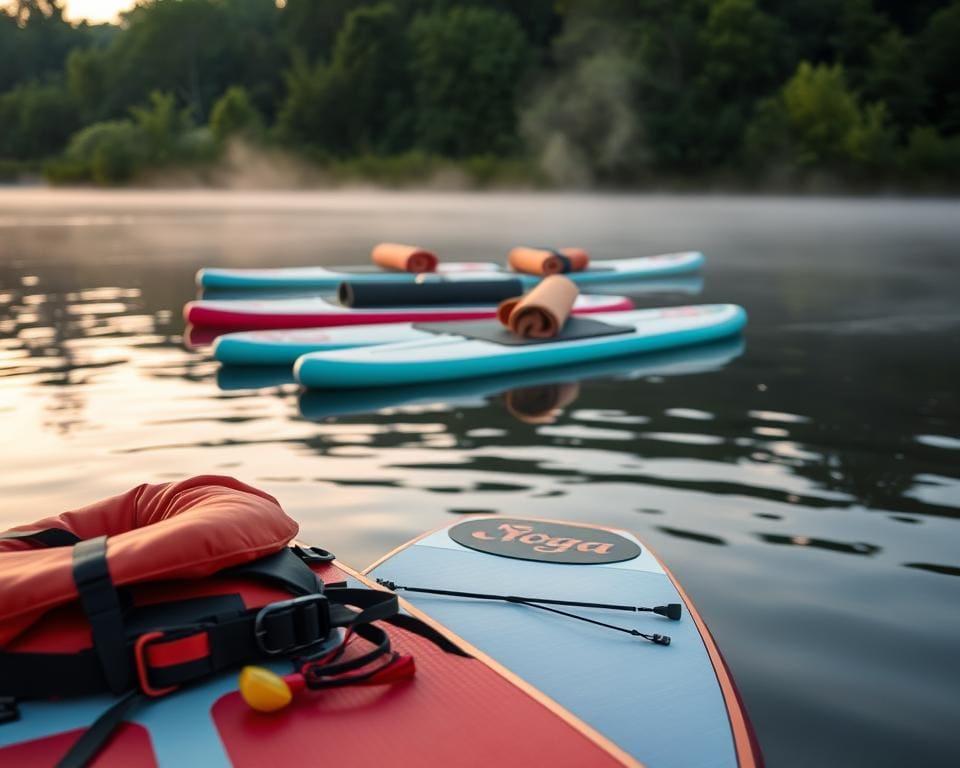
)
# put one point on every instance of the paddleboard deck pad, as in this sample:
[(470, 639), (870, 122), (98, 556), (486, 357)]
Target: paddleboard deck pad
[(666, 705), (485, 330), (319, 312), (600, 271), (456, 711), (432, 357)]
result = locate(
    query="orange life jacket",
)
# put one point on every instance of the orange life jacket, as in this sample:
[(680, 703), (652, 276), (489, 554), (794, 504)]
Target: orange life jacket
[(167, 584)]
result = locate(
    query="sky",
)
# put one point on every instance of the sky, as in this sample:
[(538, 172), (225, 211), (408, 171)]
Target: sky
[(95, 10)]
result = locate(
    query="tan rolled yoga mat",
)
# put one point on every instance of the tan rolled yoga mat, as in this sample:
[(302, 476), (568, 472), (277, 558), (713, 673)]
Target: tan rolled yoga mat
[(541, 261), (541, 313), (403, 258)]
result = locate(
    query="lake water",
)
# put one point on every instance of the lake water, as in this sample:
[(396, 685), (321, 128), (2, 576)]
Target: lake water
[(803, 483)]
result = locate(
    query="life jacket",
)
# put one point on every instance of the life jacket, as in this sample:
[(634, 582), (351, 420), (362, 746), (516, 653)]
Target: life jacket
[(168, 584)]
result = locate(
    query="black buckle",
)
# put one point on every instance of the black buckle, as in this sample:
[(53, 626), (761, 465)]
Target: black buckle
[(8, 710), (260, 632), (312, 554)]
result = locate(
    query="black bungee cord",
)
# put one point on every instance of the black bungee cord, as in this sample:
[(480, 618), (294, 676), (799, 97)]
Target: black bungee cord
[(672, 611)]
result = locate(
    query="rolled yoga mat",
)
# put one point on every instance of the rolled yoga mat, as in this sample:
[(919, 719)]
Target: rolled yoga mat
[(403, 258), (544, 261), (365, 295), (542, 312)]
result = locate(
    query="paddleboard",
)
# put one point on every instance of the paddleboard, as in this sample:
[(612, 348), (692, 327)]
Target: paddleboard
[(285, 346), (456, 711), (317, 405), (319, 312), (604, 270), (689, 284), (437, 356), (669, 706)]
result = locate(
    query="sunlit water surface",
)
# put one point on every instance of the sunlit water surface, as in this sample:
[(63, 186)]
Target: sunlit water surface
[(802, 483)]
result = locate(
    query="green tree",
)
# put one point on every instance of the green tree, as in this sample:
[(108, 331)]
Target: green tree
[(311, 26), (108, 152), (361, 100), (36, 121), (741, 63), (467, 64), (817, 122), (162, 125), (940, 55), (928, 155), (35, 41), (194, 49), (233, 114), (895, 77), (312, 97), (369, 61), (88, 76), (858, 28)]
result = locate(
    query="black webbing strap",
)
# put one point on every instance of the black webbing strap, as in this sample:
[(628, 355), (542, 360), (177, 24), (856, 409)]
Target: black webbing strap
[(85, 749), (47, 537), (424, 630), (374, 605), (101, 604), (219, 643), (283, 568), (564, 260)]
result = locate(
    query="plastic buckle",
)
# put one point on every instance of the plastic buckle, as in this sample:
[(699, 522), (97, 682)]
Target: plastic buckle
[(8, 710), (313, 554), (139, 657), (260, 633)]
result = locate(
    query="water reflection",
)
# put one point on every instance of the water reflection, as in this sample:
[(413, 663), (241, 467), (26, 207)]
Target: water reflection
[(232, 378), (805, 481)]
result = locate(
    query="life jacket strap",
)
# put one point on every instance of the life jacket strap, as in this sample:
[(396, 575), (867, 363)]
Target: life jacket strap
[(163, 658), (46, 537), (101, 604)]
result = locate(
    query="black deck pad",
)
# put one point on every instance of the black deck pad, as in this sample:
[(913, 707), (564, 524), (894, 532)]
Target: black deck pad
[(574, 329)]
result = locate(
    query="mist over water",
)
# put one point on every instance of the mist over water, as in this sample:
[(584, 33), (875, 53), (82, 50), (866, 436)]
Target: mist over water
[(802, 483)]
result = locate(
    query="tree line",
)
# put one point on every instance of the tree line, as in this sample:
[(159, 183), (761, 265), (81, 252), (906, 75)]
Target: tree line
[(617, 93)]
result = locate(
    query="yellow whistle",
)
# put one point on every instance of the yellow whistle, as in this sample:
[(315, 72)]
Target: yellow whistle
[(263, 690)]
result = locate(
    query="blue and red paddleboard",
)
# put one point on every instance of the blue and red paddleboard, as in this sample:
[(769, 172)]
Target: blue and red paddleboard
[(667, 705), (599, 271), (318, 312), (537, 688), (456, 711)]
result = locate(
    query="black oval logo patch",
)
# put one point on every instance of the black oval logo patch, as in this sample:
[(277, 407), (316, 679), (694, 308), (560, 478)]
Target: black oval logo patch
[(544, 542)]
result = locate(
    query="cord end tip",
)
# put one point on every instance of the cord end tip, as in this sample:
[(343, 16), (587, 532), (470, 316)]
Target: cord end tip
[(672, 611)]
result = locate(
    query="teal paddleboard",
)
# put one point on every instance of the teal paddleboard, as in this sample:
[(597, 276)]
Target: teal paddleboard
[(448, 355)]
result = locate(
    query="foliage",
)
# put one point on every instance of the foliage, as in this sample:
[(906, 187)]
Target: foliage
[(106, 153), (940, 54), (35, 41), (233, 114), (115, 151), (34, 118), (929, 155), (467, 65), (816, 121), (580, 92)]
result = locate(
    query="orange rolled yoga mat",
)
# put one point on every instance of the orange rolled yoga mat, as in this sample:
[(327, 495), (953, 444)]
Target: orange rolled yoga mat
[(543, 261), (541, 313), (403, 258)]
